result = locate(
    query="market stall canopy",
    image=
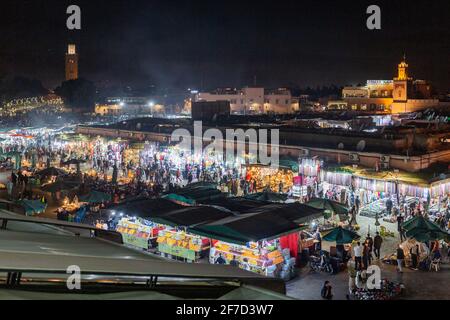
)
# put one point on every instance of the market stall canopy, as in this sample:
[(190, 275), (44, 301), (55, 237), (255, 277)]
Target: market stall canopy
[(421, 178), (341, 236), (192, 216), (145, 207), (96, 197), (244, 229), (329, 206), (73, 137), (32, 206), (178, 199), (295, 212), (236, 204), (58, 186), (267, 196), (52, 171), (423, 230), (200, 192)]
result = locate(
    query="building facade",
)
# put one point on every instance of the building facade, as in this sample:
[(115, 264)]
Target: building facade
[(253, 100), (400, 95), (71, 63)]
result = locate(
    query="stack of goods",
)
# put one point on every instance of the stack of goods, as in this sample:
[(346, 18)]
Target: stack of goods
[(181, 244), (374, 208), (288, 268), (388, 291), (135, 233)]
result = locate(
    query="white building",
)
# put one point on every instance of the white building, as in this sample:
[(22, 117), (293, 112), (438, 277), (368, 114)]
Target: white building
[(253, 100)]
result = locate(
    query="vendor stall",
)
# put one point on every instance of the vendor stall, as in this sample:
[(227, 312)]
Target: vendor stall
[(138, 232), (264, 258), (177, 244), (267, 177), (305, 184)]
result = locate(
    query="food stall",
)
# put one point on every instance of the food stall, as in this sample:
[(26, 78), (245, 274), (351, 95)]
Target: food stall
[(265, 176), (265, 243), (176, 243), (138, 232), (264, 258)]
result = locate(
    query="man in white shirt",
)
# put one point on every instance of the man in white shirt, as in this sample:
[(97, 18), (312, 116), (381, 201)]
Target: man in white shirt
[(357, 252)]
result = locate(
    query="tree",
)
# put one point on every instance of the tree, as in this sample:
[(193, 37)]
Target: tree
[(78, 94), (20, 87)]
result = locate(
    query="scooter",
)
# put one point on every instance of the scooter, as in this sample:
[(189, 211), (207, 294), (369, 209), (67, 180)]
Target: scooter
[(320, 264)]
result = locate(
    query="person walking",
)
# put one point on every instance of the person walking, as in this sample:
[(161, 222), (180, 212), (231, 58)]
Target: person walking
[(357, 252), (400, 258), (389, 205), (414, 256), (377, 241), (365, 256), (357, 204), (399, 227)]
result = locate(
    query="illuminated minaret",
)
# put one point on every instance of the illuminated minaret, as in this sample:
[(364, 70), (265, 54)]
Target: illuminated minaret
[(403, 70), (402, 83), (71, 63)]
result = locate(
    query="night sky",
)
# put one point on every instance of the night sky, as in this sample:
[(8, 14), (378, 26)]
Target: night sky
[(210, 43)]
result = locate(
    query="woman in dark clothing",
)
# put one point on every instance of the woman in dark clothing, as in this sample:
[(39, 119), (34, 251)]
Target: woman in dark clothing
[(326, 291)]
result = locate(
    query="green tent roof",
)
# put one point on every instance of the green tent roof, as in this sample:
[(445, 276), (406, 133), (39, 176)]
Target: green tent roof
[(341, 236), (33, 206), (423, 230)]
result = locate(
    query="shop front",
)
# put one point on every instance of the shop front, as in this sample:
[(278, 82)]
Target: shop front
[(307, 181), (277, 180)]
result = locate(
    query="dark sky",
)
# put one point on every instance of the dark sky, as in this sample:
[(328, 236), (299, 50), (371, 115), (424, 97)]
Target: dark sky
[(226, 43)]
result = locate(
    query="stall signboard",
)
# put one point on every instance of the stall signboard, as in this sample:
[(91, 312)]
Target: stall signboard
[(177, 251), (135, 241)]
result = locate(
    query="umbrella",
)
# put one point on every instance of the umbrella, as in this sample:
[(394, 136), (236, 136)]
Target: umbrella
[(57, 186), (50, 172), (419, 222), (423, 230), (329, 206), (96, 197), (290, 163), (33, 206), (267, 196), (341, 236)]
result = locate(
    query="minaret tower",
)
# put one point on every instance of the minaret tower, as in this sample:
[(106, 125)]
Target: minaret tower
[(402, 83), (71, 63)]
